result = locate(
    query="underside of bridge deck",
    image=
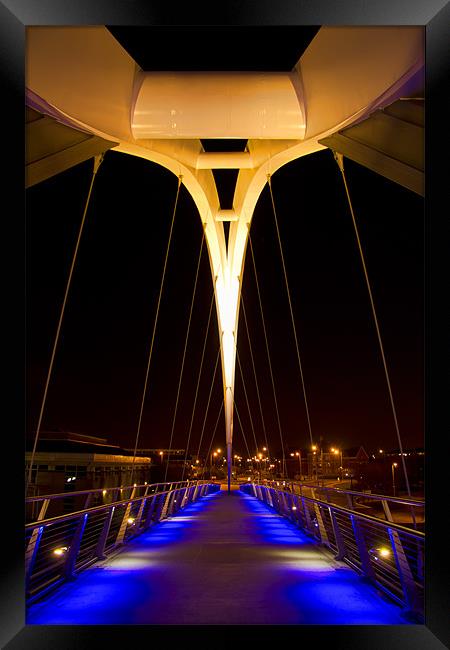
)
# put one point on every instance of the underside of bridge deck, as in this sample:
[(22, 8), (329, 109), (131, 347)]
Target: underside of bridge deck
[(227, 559)]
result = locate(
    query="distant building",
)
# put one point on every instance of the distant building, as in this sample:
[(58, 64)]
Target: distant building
[(181, 466), (354, 458), (328, 464), (68, 462)]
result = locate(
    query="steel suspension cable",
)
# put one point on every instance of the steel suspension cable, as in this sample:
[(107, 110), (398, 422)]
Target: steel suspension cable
[(294, 329), (242, 428), (340, 161), (212, 438), (97, 162), (254, 370), (144, 392), (184, 352), (198, 385), (268, 353), (209, 399), (246, 399)]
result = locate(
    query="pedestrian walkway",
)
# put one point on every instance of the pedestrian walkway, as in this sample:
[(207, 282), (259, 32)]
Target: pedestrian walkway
[(226, 559)]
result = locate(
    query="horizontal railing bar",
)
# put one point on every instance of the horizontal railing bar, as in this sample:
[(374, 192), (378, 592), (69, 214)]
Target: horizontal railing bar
[(78, 513), (367, 495), (100, 507), (60, 495)]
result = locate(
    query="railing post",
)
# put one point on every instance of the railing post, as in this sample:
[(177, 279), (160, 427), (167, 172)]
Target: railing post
[(160, 505), (100, 548), (282, 502), (165, 507), (33, 543), (269, 496), (194, 494), (69, 566), (364, 556), (295, 509), (175, 502), (287, 504), (137, 522), (185, 497), (274, 498), (306, 512), (72, 554), (412, 600), (31, 553), (387, 510), (322, 530), (123, 525), (150, 511), (290, 504), (340, 544)]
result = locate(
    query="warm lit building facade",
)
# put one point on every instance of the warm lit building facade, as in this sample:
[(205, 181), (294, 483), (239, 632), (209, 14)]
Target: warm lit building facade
[(68, 462)]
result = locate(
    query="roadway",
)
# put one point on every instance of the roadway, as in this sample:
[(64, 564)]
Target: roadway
[(227, 559)]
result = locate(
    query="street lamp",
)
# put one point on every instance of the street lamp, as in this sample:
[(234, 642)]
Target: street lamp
[(161, 453), (299, 454), (394, 465), (237, 464), (314, 464), (213, 456), (335, 452), (259, 460)]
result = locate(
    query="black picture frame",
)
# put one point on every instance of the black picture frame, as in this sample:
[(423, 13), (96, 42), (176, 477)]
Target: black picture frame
[(15, 16)]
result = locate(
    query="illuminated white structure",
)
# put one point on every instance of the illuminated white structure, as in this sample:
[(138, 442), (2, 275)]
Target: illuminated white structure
[(85, 79)]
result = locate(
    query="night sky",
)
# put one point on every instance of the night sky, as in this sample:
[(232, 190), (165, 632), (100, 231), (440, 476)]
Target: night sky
[(100, 365)]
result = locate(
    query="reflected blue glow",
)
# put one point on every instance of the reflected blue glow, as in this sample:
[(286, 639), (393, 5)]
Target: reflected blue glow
[(342, 598), (273, 528), (100, 596)]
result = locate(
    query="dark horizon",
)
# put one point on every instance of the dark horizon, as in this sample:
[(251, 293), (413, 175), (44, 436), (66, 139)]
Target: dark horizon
[(101, 359)]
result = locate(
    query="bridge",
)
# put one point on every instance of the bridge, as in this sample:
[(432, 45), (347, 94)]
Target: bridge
[(191, 553), (197, 552)]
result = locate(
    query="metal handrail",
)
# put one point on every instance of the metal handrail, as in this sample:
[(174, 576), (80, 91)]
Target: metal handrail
[(78, 513), (410, 501), (59, 547), (389, 555), (365, 517), (37, 507), (60, 495)]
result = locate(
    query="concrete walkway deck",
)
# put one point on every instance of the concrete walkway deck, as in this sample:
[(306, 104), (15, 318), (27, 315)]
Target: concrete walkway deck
[(227, 559)]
